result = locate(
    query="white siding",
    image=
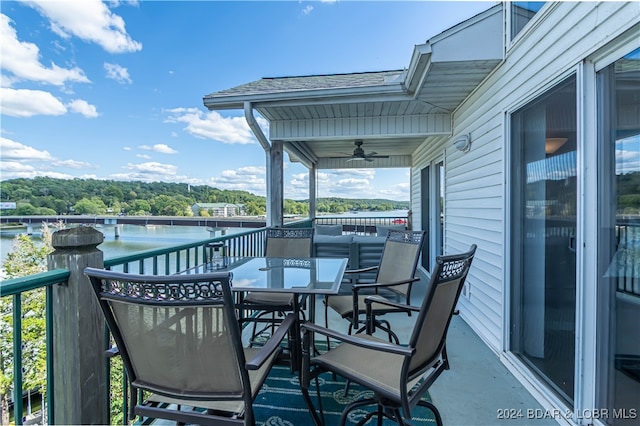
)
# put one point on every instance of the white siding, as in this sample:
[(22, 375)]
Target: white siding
[(398, 125), (429, 151), (475, 189)]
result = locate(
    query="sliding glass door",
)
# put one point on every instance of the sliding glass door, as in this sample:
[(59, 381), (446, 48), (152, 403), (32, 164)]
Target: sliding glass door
[(619, 239), (543, 229)]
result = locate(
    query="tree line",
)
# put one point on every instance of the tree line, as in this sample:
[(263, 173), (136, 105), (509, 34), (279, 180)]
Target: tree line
[(51, 196)]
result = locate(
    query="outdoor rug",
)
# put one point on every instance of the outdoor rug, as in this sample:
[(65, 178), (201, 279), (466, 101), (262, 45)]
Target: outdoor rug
[(280, 402)]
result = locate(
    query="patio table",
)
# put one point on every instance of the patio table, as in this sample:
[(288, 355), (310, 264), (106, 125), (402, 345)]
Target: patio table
[(302, 276)]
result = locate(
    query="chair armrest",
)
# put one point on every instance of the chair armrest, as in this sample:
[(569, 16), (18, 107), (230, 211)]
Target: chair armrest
[(402, 306), (370, 316), (391, 284), (358, 271), (357, 341), (272, 344)]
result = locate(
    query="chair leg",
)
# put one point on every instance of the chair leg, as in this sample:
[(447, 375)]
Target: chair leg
[(354, 405), (326, 323), (317, 420), (433, 409), (346, 387)]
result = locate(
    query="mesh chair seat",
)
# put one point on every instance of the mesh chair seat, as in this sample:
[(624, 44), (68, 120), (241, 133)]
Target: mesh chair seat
[(256, 377), (381, 369)]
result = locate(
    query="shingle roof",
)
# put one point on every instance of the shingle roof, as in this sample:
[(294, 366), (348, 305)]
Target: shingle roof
[(269, 85)]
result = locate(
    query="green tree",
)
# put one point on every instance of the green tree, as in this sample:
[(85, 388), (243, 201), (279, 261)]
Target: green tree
[(138, 208), (45, 211), (254, 208), (165, 205), (90, 206), (25, 209)]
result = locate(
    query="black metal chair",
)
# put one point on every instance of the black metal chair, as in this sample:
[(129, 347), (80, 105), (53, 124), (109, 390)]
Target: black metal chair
[(395, 276), (398, 375), (179, 339), (270, 308)]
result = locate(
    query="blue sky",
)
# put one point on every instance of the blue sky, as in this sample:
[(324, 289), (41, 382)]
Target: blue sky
[(113, 90)]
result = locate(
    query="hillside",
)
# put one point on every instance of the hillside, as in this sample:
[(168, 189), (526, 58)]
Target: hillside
[(46, 196)]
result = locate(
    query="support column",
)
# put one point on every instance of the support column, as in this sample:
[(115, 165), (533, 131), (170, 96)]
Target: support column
[(275, 183), (313, 195), (79, 363)]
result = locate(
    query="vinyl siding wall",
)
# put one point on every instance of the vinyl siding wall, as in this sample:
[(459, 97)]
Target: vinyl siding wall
[(546, 52)]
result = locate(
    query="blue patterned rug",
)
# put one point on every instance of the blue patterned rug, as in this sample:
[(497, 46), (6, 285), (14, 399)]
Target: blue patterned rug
[(280, 402)]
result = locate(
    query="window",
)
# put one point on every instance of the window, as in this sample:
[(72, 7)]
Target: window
[(521, 13)]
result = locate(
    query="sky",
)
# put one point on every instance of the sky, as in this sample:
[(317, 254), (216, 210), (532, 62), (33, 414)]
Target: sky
[(113, 90)]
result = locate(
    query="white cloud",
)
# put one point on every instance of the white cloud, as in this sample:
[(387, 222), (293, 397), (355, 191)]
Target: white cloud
[(251, 179), (13, 167), (27, 103), (144, 156), (346, 183), (401, 191), (83, 107), (12, 150), (127, 148), (22, 60), (89, 20), (212, 125), (159, 147), (14, 170), (307, 10), (118, 3), (153, 167), (150, 172), (73, 164), (117, 73), (22, 161)]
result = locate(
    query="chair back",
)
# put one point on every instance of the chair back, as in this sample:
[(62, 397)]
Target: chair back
[(178, 334), (429, 334), (400, 258), (289, 242)]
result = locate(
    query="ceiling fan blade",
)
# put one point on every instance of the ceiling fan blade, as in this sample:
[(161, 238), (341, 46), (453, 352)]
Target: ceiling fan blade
[(368, 159)]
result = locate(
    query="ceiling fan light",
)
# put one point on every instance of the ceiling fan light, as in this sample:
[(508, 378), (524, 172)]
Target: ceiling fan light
[(551, 145)]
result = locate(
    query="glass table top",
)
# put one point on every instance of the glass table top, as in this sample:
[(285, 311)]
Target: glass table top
[(291, 275)]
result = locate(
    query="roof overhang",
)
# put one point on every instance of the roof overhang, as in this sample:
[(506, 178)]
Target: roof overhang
[(319, 117)]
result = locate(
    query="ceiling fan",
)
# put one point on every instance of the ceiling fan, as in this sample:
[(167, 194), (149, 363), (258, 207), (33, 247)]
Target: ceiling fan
[(359, 154)]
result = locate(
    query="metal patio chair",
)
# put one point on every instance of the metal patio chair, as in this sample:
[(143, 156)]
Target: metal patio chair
[(180, 342), (394, 279), (271, 307), (398, 375)]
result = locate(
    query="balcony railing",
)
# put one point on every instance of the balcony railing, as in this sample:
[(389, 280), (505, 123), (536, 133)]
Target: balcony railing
[(15, 288), (167, 261)]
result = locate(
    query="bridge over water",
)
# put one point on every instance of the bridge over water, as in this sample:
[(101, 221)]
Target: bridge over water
[(211, 222)]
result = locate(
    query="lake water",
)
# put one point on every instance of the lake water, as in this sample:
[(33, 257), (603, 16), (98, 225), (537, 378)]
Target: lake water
[(135, 238)]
